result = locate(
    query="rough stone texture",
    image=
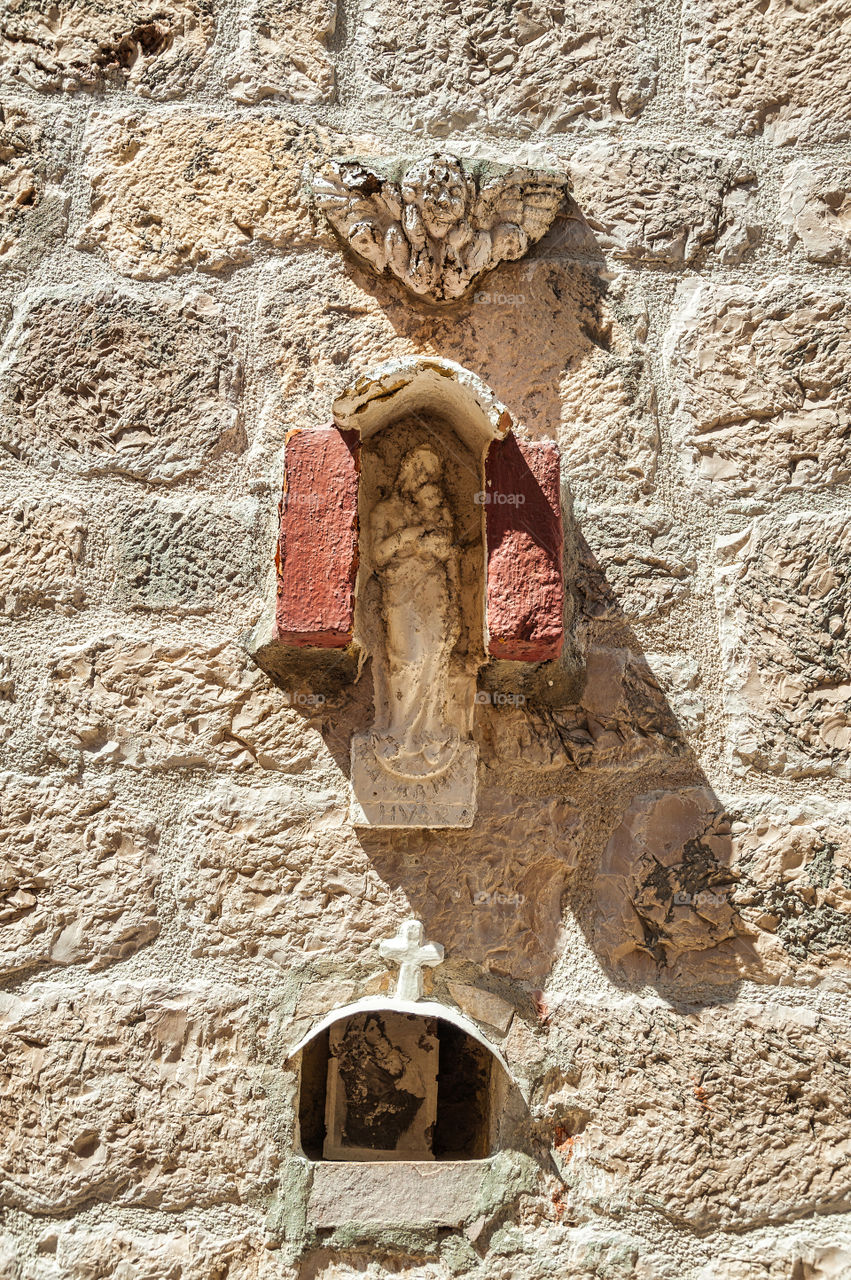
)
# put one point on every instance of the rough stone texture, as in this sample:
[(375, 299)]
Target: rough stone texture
[(187, 555), (125, 700), (524, 540), (635, 564), (77, 876), (586, 377), (621, 719), (174, 192), (262, 878), (158, 50), (762, 394), (42, 548), (815, 211), (708, 1117), (33, 206), (785, 612), (779, 71), (112, 1253), (447, 68), (661, 842), (136, 1093), (663, 205), (691, 889), (284, 51), (148, 390)]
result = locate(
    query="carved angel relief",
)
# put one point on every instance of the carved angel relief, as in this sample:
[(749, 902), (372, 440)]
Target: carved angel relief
[(441, 227)]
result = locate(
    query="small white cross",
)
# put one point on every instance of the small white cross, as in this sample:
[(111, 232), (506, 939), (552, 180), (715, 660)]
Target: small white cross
[(408, 951)]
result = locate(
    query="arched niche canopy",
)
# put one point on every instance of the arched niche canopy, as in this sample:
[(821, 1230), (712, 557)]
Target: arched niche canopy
[(317, 553)]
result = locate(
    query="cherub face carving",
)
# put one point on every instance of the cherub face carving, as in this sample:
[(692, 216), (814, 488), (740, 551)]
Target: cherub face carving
[(443, 225), (438, 187)]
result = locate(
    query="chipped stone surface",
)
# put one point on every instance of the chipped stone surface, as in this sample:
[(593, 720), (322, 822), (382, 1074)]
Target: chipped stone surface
[(78, 1252), (285, 51), (42, 547), (33, 206), (444, 68), (622, 719), (77, 876), (586, 377), (186, 190), (815, 210), (144, 389), (735, 1115), (263, 878), (785, 613), (647, 204), (180, 1116), (761, 389), (778, 71), (155, 49), (635, 563), (663, 887), (125, 700), (191, 556)]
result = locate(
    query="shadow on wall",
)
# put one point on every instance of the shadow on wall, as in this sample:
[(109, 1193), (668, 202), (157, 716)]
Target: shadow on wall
[(590, 801)]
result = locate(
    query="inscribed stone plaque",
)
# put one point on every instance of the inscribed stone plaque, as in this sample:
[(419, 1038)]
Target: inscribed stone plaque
[(382, 1088)]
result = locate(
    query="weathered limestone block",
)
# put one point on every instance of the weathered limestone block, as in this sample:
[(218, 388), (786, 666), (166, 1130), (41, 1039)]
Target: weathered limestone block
[(33, 206), (441, 69), (815, 210), (793, 891), (660, 204), (174, 192), (690, 889), (190, 555), (110, 383), (663, 888), (134, 1093), (41, 551), (725, 1116), (155, 49), (784, 597), (621, 720), (589, 373), (284, 51), (123, 700), (110, 1252), (635, 563), (761, 389), (778, 70), (277, 873), (78, 875)]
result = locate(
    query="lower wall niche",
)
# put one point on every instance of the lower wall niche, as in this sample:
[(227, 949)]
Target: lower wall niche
[(392, 1086)]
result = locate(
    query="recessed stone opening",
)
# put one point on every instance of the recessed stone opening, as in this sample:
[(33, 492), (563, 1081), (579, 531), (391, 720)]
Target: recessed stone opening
[(386, 1085)]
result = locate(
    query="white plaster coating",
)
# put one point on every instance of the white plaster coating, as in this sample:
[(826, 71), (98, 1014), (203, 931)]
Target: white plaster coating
[(422, 1008), (410, 953)]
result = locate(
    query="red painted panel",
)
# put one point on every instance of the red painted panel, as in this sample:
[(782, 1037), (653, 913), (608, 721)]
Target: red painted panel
[(318, 544), (524, 539)]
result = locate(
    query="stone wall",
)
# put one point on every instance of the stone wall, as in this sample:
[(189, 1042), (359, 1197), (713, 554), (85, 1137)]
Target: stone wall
[(653, 905)]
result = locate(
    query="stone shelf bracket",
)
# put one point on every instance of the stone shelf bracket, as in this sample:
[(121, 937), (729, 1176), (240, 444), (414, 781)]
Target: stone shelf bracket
[(420, 530)]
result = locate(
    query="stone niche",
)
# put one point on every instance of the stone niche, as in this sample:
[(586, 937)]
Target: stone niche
[(420, 531), (386, 1084)]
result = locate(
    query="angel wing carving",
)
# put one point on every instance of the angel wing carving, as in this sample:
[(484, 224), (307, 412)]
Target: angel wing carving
[(442, 226)]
